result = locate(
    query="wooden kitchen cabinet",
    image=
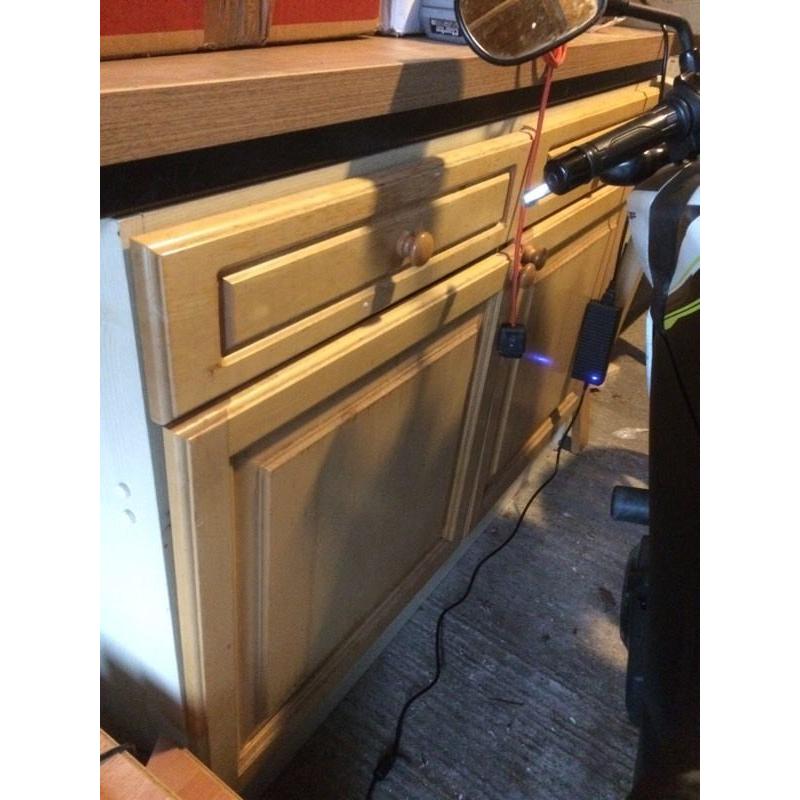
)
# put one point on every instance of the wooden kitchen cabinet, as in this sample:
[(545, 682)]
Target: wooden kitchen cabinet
[(328, 420)]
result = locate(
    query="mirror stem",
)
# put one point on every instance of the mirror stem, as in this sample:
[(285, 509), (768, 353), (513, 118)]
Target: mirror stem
[(689, 56)]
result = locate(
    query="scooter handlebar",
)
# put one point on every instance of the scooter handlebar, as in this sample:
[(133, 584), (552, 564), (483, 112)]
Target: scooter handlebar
[(671, 121)]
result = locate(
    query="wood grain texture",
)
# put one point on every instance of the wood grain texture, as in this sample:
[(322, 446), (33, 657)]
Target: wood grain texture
[(553, 318), (333, 515), (395, 552), (170, 104), (275, 292), (122, 777), (185, 775), (284, 274), (232, 23), (192, 210)]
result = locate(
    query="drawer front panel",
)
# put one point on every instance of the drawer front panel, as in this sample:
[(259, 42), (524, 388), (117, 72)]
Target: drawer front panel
[(224, 299), (575, 123), (266, 297)]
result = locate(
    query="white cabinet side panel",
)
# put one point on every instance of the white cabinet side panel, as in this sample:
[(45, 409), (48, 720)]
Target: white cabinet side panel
[(140, 676)]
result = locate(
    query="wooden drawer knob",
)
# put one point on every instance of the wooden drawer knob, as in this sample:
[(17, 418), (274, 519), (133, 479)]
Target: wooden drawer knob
[(530, 255), (416, 247)]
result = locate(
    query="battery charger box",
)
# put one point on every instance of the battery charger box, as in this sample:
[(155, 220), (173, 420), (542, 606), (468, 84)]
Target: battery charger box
[(595, 340), (438, 19)]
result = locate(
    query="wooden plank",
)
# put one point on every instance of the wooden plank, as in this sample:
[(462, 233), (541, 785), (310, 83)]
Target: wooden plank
[(193, 210), (122, 777), (311, 379), (207, 622), (170, 104), (189, 778)]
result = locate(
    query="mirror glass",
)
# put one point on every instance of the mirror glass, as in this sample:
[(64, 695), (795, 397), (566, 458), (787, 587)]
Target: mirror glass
[(510, 31)]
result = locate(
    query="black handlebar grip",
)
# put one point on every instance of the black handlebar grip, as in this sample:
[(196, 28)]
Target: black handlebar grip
[(630, 505), (668, 121)]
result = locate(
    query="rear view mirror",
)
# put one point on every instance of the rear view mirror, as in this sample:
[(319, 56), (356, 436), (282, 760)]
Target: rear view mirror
[(513, 31)]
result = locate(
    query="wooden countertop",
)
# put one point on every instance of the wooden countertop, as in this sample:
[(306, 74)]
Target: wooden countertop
[(170, 104)]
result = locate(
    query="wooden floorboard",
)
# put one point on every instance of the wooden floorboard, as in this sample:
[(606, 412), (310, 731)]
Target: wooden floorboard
[(530, 705)]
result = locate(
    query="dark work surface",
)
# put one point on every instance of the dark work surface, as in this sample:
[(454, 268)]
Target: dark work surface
[(530, 705), (152, 182)]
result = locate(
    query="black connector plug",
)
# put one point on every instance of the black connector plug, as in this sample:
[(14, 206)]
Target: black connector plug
[(511, 340)]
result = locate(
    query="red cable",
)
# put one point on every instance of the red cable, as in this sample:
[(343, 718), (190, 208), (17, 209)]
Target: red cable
[(557, 56), (553, 59)]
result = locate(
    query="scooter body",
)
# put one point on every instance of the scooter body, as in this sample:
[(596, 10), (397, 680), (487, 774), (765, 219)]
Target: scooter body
[(661, 605)]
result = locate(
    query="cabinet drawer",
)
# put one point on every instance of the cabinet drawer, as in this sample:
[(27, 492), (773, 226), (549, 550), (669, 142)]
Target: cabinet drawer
[(578, 122), (223, 299), (294, 538)]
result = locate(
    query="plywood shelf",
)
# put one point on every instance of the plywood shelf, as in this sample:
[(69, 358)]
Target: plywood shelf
[(171, 104)]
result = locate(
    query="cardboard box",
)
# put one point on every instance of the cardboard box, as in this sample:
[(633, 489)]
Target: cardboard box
[(439, 21), (154, 27), (177, 26), (305, 20)]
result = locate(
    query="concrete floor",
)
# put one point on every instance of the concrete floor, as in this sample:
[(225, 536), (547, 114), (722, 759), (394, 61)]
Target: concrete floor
[(530, 705)]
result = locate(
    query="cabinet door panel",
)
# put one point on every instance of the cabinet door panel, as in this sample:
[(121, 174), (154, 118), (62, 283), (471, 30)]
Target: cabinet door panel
[(527, 399), (347, 507), (557, 303), (310, 508)]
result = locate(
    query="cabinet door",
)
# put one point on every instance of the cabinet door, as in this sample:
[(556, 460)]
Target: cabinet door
[(527, 399), (311, 507)]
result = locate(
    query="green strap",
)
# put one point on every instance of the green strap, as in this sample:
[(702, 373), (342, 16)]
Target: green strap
[(679, 313)]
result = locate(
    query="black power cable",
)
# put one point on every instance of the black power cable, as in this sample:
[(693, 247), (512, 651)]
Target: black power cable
[(665, 58), (664, 64), (386, 762), (119, 748)]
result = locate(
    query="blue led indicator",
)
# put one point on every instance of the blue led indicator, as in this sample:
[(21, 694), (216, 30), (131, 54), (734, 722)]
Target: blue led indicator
[(540, 358)]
